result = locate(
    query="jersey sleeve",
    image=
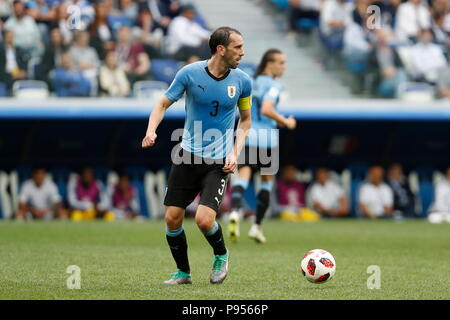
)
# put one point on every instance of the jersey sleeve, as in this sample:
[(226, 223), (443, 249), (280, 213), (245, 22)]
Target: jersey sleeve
[(273, 93), (245, 99), (178, 86)]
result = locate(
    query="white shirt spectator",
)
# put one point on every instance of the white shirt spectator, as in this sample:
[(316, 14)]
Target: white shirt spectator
[(442, 197), (184, 32), (40, 198), (427, 60), (410, 19), (327, 195), (26, 34), (333, 10), (355, 39), (376, 198)]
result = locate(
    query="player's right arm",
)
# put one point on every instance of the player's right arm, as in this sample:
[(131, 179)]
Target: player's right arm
[(155, 119), (268, 109), (175, 92)]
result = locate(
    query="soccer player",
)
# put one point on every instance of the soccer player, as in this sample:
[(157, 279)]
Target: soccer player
[(213, 89), (266, 95)]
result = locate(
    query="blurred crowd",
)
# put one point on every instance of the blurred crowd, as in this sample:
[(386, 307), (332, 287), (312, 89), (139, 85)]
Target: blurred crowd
[(401, 40), (381, 195), (95, 47)]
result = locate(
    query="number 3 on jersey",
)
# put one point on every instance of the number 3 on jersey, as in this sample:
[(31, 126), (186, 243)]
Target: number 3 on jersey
[(215, 105)]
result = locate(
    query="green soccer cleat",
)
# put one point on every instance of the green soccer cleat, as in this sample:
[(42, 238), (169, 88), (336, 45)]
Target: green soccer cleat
[(233, 226), (219, 269), (179, 277)]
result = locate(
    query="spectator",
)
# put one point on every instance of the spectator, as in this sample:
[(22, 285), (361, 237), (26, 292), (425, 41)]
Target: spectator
[(124, 199), (100, 32), (328, 197), (186, 37), (87, 199), (12, 63), (69, 82), (163, 11), (427, 59), (291, 192), (113, 80), (129, 9), (404, 198), (375, 199), (85, 59), (441, 29), (131, 56), (443, 82), (27, 34), (149, 34), (302, 9), (44, 13), (412, 16), (52, 55), (334, 18), (39, 198), (389, 65)]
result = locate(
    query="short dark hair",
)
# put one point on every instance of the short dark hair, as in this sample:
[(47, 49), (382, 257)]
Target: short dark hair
[(221, 37)]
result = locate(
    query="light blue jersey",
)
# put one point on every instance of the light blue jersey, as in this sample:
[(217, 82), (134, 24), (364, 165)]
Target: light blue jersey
[(210, 107), (262, 134)]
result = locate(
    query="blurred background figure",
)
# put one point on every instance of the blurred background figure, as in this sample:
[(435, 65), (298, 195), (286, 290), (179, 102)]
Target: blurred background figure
[(427, 58), (85, 59), (39, 198), (412, 17), (404, 198), (376, 199), (26, 31), (328, 197), (124, 199), (87, 198), (68, 81), (113, 80), (132, 56), (186, 37), (12, 61), (290, 191)]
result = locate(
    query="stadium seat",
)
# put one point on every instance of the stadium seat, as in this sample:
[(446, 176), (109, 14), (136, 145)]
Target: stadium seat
[(426, 195), (3, 91), (165, 69), (33, 67), (6, 209), (281, 4), (354, 193), (307, 24), (416, 91), (139, 185), (149, 89), (30, 89)]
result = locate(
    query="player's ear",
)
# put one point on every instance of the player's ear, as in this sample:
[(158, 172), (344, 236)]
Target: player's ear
[(221, 50)]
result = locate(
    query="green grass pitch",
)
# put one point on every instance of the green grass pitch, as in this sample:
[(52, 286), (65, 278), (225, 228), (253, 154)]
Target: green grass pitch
[(129, 260)]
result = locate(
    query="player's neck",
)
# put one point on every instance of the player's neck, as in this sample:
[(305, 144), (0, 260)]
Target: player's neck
[(217, 67)]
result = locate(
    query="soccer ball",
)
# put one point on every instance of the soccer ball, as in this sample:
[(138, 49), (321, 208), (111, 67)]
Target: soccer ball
[(318, 266)]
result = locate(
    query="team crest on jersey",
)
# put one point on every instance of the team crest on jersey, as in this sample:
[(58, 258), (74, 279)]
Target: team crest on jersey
[(231, 91)]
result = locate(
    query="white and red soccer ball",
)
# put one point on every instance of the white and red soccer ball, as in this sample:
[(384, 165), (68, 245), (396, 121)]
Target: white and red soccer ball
[(318, 266)]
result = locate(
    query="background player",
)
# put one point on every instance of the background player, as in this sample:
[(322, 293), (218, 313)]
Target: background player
[(266, 95), (213, 89)]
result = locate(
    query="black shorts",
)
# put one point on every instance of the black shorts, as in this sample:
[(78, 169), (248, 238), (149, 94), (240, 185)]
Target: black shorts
[(186, 180), (256, 158)]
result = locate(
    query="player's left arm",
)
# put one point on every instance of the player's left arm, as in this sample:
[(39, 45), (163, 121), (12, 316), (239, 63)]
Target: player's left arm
[(245, 121)]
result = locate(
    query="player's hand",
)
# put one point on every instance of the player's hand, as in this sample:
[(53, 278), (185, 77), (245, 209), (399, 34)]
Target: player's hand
[(291, 123), (149, 140), (230, 163)]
